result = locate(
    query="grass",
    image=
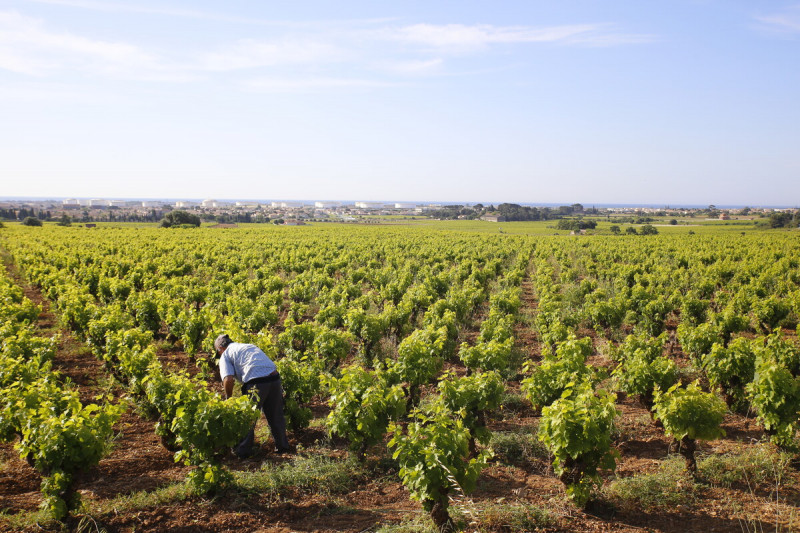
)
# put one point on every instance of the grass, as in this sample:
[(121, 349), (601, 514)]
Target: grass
[(665, 489), (168, 494), (314, 474), (417, 523), (514, 517), (752, 466), (521, 446), (514, 402)]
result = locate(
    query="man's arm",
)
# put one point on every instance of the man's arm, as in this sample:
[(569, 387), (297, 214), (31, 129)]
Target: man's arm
[(227, 384)]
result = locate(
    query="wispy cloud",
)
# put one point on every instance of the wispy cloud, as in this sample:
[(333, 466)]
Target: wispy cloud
[(459, 37), (413, 68), (117, 7), (786, 22), (300, 56), (28, 47), (286, 85), (251, 53)]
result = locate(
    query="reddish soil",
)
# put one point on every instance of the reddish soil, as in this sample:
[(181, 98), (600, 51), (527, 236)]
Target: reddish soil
[(139, 463)]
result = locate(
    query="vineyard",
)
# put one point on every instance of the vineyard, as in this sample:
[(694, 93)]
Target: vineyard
[(435, 378)]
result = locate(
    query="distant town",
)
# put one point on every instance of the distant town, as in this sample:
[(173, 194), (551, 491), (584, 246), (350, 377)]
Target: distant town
[(295, 212)]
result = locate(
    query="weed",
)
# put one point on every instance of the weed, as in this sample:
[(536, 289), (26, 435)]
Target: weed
[(752, 466), (665, 489), (514, 402), (515, 447), (515, 517), (419, 523), (312, 475)]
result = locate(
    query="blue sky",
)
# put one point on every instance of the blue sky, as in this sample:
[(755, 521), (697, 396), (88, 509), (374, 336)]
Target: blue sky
[(682, 102)]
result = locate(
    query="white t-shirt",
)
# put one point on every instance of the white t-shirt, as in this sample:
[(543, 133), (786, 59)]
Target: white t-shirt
[(245, 362)]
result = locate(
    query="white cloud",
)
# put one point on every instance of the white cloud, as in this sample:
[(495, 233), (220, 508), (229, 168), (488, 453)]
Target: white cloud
[(300, 56), (459, 37), (28, 47), (414, 68), (250, 53), (281, 85), (786, 22)]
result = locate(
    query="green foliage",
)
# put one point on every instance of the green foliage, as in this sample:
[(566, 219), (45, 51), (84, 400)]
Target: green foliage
[(31, 221), (470, 397), (693, 309), (419, 359), (206, 425), (554, 375), (648, 229), (492, 355), (433, 454), (642, 347), (697, 341), (301, 382), (690, 412), (775, 395), (362, 404), (731, 369), (180, 218), (640, 376), (62, 437), (576, 429), (145, 312), (769, 313), (781, 352)]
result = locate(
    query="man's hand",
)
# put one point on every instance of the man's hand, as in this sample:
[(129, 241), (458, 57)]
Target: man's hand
[(227, 384)]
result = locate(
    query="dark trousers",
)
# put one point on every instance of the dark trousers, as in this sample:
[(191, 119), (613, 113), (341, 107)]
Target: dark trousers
[(269, 398)]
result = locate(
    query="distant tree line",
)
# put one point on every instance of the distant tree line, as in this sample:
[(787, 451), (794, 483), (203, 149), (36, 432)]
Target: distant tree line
[(575, 224), (23, 213), (511, 212), (784, 220)]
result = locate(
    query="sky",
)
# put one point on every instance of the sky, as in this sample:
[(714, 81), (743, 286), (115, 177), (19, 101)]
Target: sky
[(681, 102)]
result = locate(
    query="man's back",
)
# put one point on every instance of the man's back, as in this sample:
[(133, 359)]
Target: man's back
[(245, 362)]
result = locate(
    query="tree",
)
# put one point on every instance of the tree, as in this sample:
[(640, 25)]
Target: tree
[(648, 229), (179, 218), (631, 231), (31, 221), (614, 229)]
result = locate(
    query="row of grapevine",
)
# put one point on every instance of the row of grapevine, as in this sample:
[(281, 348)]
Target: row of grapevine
[(43, 414), (368, 319)]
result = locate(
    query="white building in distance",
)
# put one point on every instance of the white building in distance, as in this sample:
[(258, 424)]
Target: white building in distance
[(209, 203), (401, 205), (71, 202), (370, 205), (248, 205), (150, 203), (291, 205), (184, 204), (99, 202), (117, 203), (326, 205)]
